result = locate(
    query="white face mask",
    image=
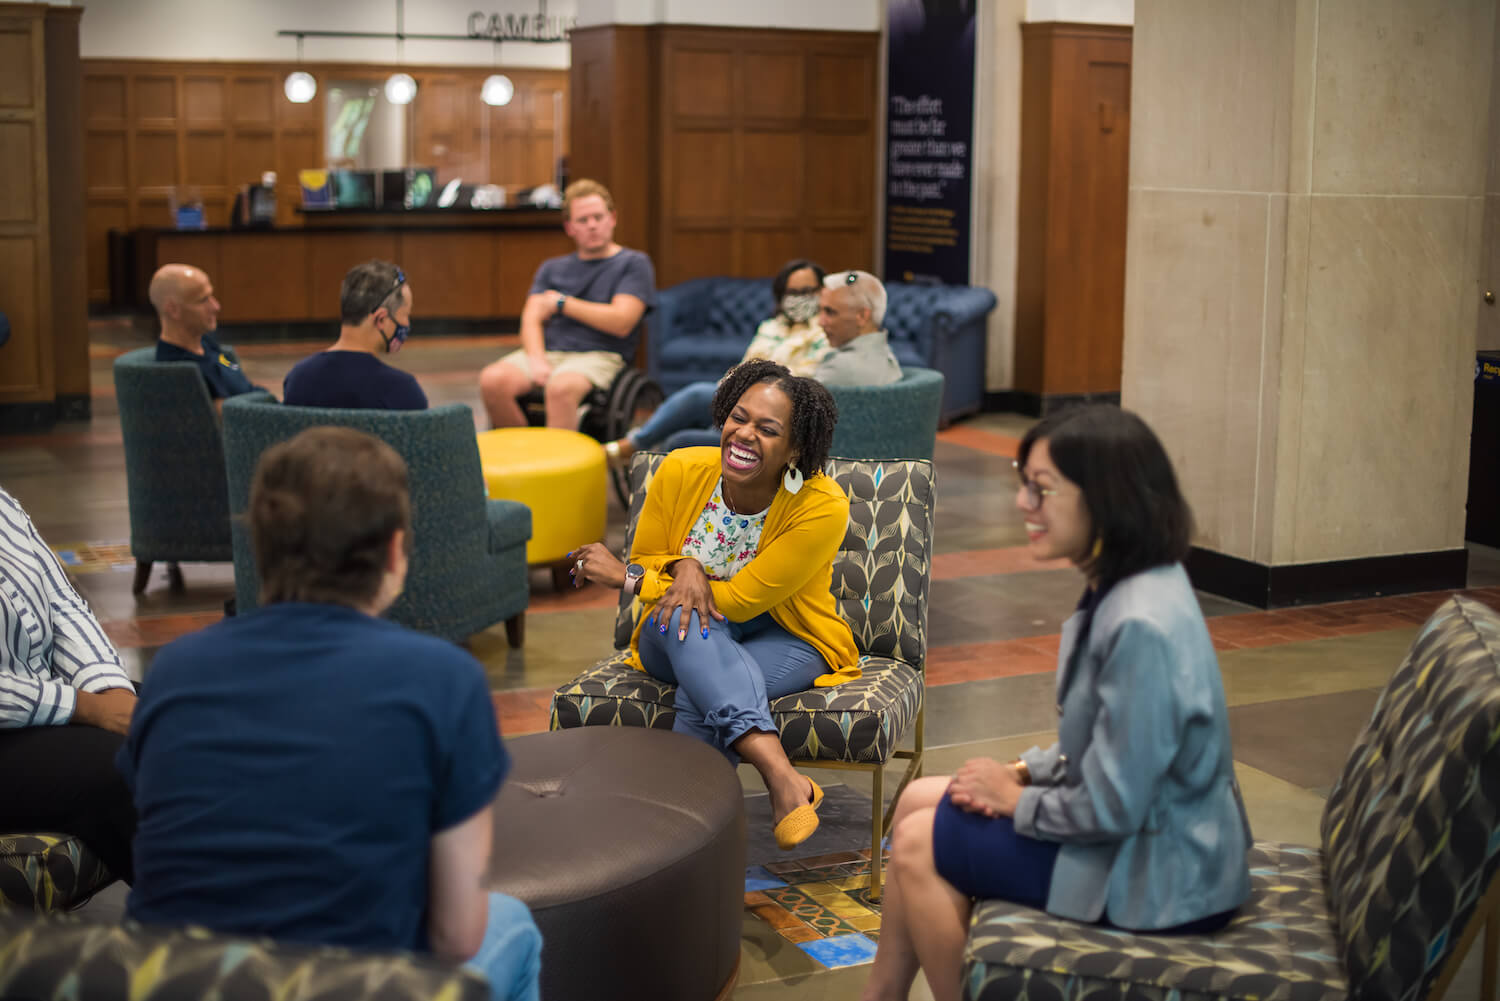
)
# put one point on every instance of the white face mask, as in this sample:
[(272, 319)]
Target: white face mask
[(800, 308)]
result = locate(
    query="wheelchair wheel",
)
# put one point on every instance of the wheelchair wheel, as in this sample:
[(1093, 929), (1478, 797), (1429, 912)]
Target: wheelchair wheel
[(631, 392)]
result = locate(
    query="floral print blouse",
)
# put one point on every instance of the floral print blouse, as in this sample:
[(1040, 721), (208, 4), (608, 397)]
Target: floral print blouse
[(720, 539)]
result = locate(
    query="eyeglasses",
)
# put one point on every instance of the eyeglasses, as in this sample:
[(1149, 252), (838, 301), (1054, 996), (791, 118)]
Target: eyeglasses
[(400, 280), (1035, 492)]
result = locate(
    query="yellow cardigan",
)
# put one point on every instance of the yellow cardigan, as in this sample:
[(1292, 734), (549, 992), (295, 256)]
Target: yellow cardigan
[(791, 574)]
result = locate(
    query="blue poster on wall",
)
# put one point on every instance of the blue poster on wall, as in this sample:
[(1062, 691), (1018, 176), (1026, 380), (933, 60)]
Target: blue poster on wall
[(929, 140)]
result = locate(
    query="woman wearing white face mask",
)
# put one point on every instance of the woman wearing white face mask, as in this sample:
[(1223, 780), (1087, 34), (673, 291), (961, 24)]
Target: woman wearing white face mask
[(790, 336)]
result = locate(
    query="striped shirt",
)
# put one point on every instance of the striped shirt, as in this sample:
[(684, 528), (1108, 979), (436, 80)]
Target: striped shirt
[(52, 645)]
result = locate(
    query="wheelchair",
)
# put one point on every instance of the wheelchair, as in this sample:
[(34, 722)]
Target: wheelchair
[(605, 414)]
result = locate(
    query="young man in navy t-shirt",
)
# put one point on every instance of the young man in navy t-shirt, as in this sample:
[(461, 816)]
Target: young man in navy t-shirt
[(582, 320), (310, 772), (375, 318)]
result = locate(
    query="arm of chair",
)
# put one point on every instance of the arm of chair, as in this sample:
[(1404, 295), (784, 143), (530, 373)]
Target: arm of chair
[(510, 523), (962, 308)]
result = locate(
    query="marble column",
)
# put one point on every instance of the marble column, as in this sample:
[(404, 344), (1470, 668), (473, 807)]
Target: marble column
[(1307, 185)]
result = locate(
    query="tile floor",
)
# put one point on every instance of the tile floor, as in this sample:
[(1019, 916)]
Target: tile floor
[(1300, 682)]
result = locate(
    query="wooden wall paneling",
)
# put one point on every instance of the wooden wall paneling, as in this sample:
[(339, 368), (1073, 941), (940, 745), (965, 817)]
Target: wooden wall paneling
[(150, 125), (517, 257), (336, 254), (1035, 185), (201, 251), (26, 360), (611, 133), (699, 253), (22, 377), (1075, 143), (249, 280), (68, 236), (453, 274), (764, 249), (18, 152)]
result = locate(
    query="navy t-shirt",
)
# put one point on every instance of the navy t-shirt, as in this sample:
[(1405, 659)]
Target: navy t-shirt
[(290, 767), (354, 380), (220, 368), (599, 280)]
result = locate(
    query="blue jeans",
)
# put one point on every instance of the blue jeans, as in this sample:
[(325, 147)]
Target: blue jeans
[(691, 437), (725, 680), (689, 407), (511, 954)]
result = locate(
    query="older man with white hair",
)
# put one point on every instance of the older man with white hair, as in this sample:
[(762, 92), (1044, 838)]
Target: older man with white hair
[(853, 311)]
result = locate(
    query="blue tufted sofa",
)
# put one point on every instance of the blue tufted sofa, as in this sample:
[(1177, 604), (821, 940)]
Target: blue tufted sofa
[(702, 327), (468, 557)]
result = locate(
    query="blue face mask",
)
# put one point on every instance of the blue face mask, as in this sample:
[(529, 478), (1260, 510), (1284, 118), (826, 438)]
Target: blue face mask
[(393, 343)]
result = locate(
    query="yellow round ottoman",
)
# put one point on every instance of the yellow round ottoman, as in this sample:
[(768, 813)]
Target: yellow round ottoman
[(559, 474)]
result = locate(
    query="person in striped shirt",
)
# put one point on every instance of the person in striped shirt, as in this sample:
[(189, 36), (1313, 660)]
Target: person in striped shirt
[(65, 703)]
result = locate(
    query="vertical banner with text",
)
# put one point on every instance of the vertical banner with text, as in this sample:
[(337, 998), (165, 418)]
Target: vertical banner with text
[(929, 140)]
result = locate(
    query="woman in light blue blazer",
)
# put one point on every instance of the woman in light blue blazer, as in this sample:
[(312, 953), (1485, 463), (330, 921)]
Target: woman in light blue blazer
[(1133, 817)]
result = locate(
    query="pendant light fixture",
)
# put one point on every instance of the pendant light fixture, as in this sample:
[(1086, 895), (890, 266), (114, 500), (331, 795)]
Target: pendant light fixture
[(400, 88), (300, 86)]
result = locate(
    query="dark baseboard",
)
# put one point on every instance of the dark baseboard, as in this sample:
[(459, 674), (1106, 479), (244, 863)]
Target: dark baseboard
[(316, 330), (1339, 580), (23, 418), (75, 407), (1017, 401)]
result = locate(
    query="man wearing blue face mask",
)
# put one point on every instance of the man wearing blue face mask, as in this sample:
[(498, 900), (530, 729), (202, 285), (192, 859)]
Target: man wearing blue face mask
[(374, 317)]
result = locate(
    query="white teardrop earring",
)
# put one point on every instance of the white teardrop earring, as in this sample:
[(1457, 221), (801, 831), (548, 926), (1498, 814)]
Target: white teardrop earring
[(792, 479)]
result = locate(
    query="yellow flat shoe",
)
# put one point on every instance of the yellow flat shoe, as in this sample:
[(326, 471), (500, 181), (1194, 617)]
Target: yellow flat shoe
[(799, 825)]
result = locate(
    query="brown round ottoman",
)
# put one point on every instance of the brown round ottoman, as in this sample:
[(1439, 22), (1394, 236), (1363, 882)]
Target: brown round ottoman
[(628, 845)]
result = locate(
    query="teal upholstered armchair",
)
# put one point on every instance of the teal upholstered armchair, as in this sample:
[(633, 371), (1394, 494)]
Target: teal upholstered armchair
[(468, 553), (174, 465), (64, 957), (898, 421), (881, 578)]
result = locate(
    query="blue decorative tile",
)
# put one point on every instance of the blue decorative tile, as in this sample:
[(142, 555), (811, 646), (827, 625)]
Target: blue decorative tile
[(840, 950), (758, 877)]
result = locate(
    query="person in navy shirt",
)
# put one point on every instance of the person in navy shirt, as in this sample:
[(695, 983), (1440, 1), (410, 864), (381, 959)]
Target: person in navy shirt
[(184, 300), (310, 772), (375, 318)]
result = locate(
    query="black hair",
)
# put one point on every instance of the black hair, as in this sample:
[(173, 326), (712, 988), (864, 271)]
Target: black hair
[(778, 283), (1140, 518), (814, 413)]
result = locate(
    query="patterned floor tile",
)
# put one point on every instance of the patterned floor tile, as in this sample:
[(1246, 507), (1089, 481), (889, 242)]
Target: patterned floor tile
[(853, 949)]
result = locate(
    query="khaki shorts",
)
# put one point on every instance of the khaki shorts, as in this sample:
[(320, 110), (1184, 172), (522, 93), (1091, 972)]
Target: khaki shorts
[(599, 367)]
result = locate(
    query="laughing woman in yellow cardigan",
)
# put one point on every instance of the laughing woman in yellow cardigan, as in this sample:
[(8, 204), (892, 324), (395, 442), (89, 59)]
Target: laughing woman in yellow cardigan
[(734, 556)]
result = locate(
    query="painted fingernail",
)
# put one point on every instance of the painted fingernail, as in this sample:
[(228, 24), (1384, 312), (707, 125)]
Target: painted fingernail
[(681, 635), (664, 629), (650, 620), (705, 632)]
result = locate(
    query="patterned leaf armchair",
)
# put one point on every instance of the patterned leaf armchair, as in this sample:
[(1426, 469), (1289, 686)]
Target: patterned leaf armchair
[(43, 873), (468, 553), (174, 465), (1404, 882), (880, 581), (701, 328), (63, 957)]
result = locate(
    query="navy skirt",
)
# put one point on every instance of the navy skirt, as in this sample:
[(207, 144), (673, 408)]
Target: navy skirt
[(984, 857)]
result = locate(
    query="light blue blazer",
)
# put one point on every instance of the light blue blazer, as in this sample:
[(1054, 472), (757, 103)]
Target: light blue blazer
[(1139, 788)]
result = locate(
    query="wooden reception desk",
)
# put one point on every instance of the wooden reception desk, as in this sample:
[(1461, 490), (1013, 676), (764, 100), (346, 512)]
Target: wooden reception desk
[(461, 265)]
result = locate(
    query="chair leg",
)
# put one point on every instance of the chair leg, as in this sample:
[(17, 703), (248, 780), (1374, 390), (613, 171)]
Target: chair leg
[(877, 828), (174, 578), (1491, 953), (142, 576), (515, 630), (561, 583)]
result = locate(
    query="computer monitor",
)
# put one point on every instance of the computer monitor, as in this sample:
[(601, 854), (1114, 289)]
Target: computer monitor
[(393, 189), (354, 189), (421, 187)]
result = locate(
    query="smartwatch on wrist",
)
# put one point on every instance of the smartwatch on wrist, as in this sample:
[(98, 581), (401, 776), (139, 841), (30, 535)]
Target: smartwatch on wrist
[(562, 301), (634, 574)]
